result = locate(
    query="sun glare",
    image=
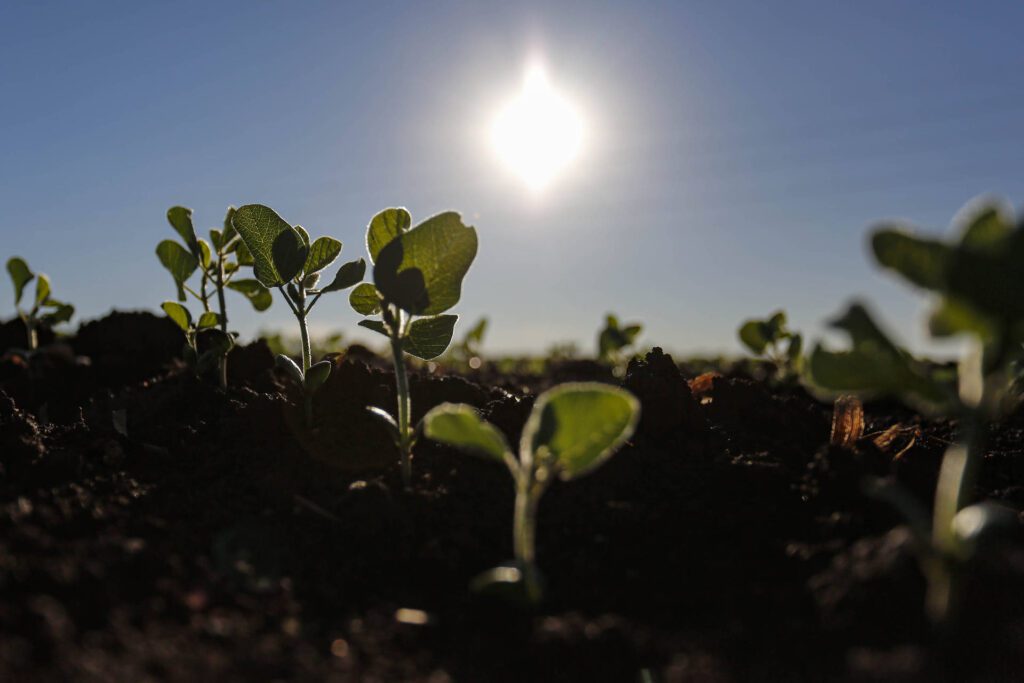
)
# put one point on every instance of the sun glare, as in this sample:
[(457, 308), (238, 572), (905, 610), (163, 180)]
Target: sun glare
[(538, 133)]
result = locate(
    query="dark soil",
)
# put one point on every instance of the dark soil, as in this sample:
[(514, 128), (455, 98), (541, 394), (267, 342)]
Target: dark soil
[(154, 527)]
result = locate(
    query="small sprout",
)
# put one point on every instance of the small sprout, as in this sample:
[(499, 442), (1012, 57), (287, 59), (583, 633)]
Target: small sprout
[(45, 309), (468, 349), (283, 257), (765, 338), (218, 265), (220, 342), (417, 276), (614, 339), (572, 430), (977, 285)]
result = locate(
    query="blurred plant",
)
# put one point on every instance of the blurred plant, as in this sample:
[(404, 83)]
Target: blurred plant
[(765, 338), (417, 272), (218, 266), (468, 350), (45, 309), (977, 282), (571, 431), (283, 257), (613, 339), (291, 345)]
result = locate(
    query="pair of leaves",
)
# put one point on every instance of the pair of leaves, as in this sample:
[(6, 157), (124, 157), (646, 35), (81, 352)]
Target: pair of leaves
[(614, 337), (875, 364), (310, 381), (979, 276), (758, 335), (182, 317), (572, 430), (57, 312), (420, 269), (282, 253), (427, 338)]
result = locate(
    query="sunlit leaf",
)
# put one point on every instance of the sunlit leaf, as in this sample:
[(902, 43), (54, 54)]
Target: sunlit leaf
[(207, 320), (384, 227), (180, 219), (349, 274), (178, 314), (922, 262), (321, 254), (429, 337), (289, 253), (261, 229), (461, 426), (42, 289), (365, 299), (259, 296), (753, 334), (179, 262), (422, 270), (20, 274), (576, 427)]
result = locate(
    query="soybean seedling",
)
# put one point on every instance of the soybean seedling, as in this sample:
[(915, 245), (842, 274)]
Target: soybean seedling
[(417, 276), (468, 349), (765, 338), (614, 339), (978, 287), (218, 266), (283, 257), (571, 431), (45, 309)]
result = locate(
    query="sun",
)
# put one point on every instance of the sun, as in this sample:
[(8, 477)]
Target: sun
[(538, 133)]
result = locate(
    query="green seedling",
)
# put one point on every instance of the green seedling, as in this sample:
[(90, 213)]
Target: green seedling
[(417, 276), (614, 339), (977, 284), (283, 257), (468, 349), (218, 262), (220, 342), (772, 340), (572, 430), (45, 309)]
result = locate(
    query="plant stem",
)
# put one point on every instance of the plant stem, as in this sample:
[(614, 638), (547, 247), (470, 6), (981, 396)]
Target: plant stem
[(307, 354), (31, 333), (524, 530), (223, 318), (404, 404)]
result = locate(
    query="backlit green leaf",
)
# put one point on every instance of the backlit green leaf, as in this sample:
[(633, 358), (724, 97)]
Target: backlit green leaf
[(261, 229), (42, 289), (20, 274), (754, 336), (61, 313), (575, 427), (180, 219), (207, 319), (384, 227), (429, 337), (321, 254), (365, 299), (461, 426), (259, 296), (422, 270), (179, 262), (178, 314), (349, 274), (375, 325), (920, 261)]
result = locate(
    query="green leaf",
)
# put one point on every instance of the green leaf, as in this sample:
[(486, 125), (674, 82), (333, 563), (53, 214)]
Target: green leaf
[(920, 261), (289, 254), (775, 326), (953, 317), (205, 255), (207, 319), (476, 333), (317, 375), (321, 254), (179, 262), (303, 235), (216, 239), (365, 299), (243, 254), (229, 233), (180, 219), (753, 334), (290, 367), (219, 342), (178, 314), (461, 426), (259, 296), (575, 427), (349, 274), (20, 274), (62, 313), (384, 227), (384, 417), (422, 270), (429, 337), (375, 325), (269, 238), (42, 289), (986, 229), (795, 349)]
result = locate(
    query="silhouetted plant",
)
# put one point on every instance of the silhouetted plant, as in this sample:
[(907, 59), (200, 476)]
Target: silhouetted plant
[(614, 339), (283, 257), (572, 430), (765, 338), (417, 276), (218, 266), (45, 309)]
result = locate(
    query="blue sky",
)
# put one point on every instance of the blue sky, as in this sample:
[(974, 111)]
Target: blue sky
[(736, 152)]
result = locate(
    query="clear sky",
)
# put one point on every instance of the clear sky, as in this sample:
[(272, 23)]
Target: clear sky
[(735, 152)]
